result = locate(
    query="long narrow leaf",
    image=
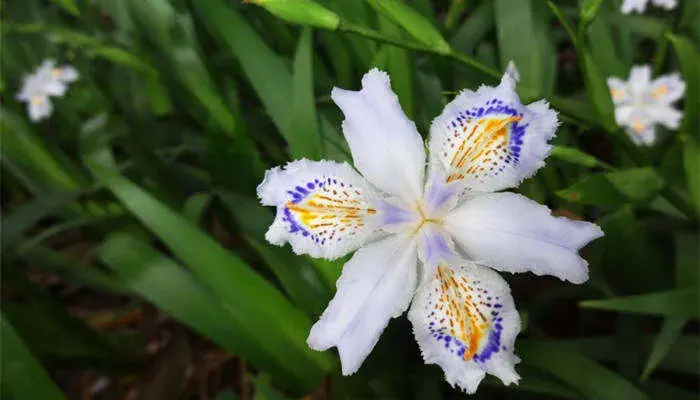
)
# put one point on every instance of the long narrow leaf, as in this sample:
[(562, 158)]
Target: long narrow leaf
[(682, 302), (266, 311), (165, 283), (597, 382), (22, 375), (304, 126)]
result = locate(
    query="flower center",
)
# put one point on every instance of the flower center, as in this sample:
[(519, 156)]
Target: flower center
[(425, 219)]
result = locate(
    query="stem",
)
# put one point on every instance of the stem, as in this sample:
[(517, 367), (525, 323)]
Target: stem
[(380, 37)]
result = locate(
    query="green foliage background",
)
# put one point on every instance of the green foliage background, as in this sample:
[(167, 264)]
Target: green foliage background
[(181, 106)]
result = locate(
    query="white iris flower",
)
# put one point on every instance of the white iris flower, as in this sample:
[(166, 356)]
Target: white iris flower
[(639, 6), (48, 80), (641, 104), (429, 236)]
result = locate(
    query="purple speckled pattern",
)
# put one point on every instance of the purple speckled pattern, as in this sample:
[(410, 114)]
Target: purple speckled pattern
[(465, 317), (325, 209)]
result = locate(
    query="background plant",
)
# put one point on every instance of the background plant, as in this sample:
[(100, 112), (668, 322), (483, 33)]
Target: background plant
[(131, 212)]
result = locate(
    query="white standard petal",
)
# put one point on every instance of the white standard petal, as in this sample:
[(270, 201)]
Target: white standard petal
[(618, 91), (324, 208), (633, 5), (510, 232), (45, 79), (639, 81), (385, 144), (465, 321), (666, 4), (488, 141), (39, 107), (667, 89), (66, 73), (376, 285)]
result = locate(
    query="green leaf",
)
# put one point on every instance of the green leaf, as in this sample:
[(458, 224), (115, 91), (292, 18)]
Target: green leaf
[(568, 26), (679, 302), (520, 30), (173, 33), (670, 331), (662, 390), (305, 12), (687, 256), (305, 140), (604, 50), (597, 382), (340, 57), (413, 22), (691, 163), (43, 170), (163, 282), (26, 215), (632, 255), (267, 72), (296, 274), (589, 10), (575, 156), (614, 189), (535, 381), (649, 27), (690, 59), (283, 326), (475, 27), (597, 89), (68, 5), (265, 391), (22, 376), (396, 61), (123, 57), (583, 111), (227, 395), (195, 207), (49, 260), (363, 50), (681, 358)]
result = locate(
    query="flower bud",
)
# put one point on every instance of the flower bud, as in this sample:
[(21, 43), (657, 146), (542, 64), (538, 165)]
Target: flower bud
[(304, 12)]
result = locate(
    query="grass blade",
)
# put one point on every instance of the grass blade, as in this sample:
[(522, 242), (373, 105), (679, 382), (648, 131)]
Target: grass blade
[(28, 214), (596, 383), (615, 189), (306, 141), (691, 164), (22, 376), (683, 302), (413, 22), (283, 326), (670, 331), (170, 287), (520, 41), (689, 59)]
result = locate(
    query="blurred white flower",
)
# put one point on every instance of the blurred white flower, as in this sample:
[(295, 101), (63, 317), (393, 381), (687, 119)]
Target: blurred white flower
[(641, 104), (48, 80), (639, 6), (431, 236)]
